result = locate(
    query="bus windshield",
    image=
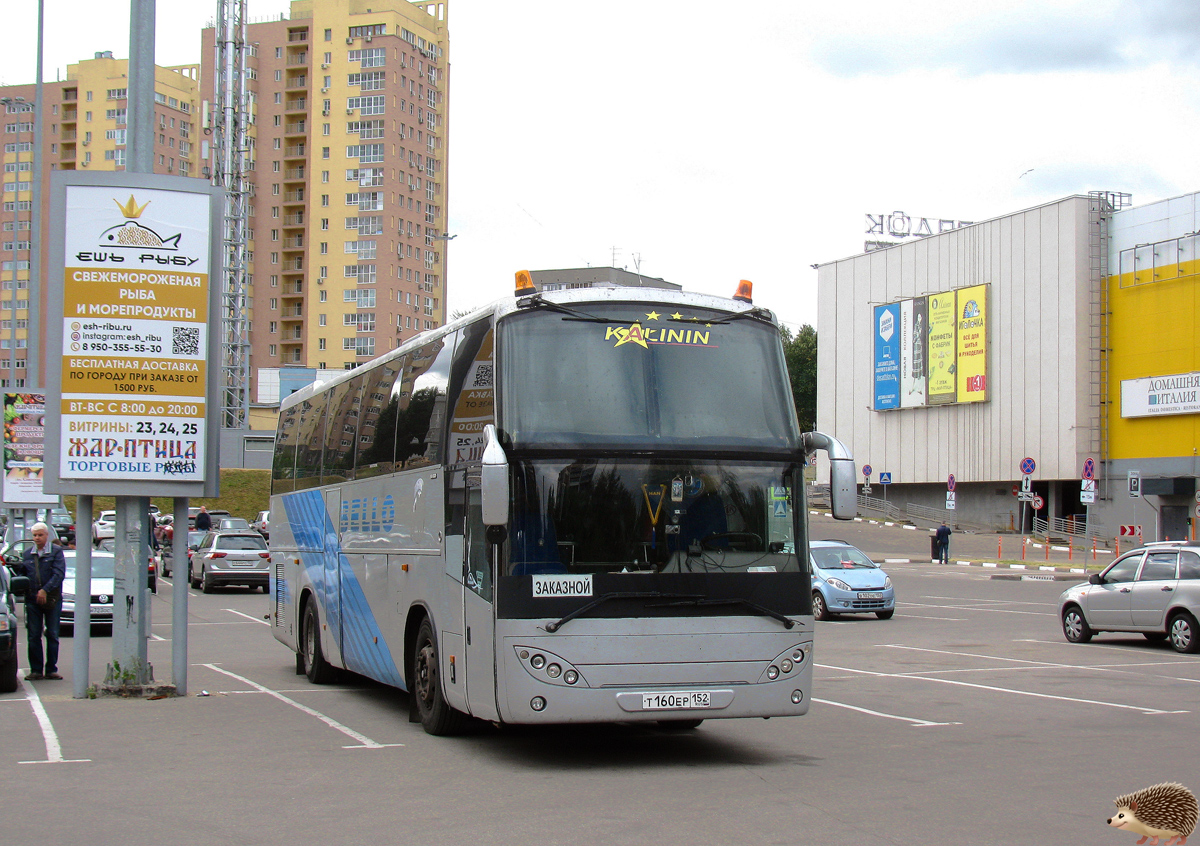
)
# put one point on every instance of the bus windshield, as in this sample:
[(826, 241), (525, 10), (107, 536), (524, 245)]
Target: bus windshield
[(658, 516), (620, 375)]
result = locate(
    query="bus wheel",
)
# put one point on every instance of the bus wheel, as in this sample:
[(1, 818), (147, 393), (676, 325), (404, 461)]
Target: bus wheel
[(437, 717), (679, 725), (318, 670)]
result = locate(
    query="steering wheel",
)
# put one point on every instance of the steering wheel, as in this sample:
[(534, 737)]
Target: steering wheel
[(745, 541)]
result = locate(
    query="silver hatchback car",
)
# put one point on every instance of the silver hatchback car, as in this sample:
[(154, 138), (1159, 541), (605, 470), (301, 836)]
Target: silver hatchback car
[(231, 558), (1154, 590)]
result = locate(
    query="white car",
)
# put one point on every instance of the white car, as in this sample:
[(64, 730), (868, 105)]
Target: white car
[(105, 526), (104, 566)]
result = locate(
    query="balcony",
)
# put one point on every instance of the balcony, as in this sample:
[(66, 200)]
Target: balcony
[(298, 81), (297, 59), (293, 173), (299, 104), (293, 219), (293, 197), (298, 127), (296, 151), (294, 243), (295, 312)]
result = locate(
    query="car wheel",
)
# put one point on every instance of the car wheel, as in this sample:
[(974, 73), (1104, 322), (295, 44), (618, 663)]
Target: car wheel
[(164, 568), (8, 675), (1183, 634), (679, 725), (318, 670), (1155, 637), (154, 585), (1075, 625), (191, 577), (206, 584), (437, 717), (886, 615), (820, 609)]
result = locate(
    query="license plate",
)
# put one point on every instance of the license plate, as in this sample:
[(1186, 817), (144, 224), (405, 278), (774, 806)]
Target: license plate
[(101, 609), (865, 594), (676, 700)]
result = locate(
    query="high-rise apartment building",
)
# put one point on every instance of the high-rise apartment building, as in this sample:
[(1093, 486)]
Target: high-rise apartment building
[(347, 168), (83, 123)]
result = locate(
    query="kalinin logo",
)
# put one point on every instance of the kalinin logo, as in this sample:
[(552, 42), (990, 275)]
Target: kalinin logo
[(133, 234), (635, 333)]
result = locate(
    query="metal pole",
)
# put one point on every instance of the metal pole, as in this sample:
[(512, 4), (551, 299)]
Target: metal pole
[(83, 599), (179, 597), (33, 374), (131, 604)]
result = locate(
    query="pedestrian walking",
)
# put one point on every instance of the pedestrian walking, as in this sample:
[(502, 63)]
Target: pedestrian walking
[(203, 520), (45, 566), (942, 535)]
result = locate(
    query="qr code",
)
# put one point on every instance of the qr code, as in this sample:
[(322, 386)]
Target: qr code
[(185, 340), (483, 376)]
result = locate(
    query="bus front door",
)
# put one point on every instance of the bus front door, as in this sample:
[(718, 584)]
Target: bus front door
[(478, 615)]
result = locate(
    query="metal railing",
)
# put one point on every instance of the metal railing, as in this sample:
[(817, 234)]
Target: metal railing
[(888, 509), (922, 512)]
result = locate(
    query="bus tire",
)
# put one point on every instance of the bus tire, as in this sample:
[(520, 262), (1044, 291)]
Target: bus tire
[(318, 670), (437, 717)]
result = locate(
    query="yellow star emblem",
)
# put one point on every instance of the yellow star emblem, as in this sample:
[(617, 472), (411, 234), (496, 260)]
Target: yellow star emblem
[(634, 335), (677, 316), (652, 315)]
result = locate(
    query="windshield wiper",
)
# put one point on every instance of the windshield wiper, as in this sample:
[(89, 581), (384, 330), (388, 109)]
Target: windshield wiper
[(600, 600), (537, 301), (766, 612)]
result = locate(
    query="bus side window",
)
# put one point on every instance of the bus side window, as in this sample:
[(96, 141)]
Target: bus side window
[(283, 467), (421, 421), (377, 426), (471, 397), (341, 431), (310, 443)]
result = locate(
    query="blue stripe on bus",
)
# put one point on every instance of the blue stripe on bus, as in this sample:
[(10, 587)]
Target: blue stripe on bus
[(364, 649)]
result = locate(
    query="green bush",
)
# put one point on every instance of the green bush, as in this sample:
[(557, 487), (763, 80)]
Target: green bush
[(244, 493)]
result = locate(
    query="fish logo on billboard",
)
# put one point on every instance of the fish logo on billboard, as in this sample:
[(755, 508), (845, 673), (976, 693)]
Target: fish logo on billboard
[(132, 234)]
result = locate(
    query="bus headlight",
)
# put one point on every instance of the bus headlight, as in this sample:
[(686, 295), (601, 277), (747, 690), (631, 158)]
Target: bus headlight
[(538, 661), (554, 671), (786, 665), (797, 697), (772, 672), (549, 668), (537, 703), (570, 677)]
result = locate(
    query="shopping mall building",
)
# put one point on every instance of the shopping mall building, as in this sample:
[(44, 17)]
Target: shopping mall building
[(1054, 350)]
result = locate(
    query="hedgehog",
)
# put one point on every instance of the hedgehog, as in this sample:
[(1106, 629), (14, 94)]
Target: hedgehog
[(1164, 810)]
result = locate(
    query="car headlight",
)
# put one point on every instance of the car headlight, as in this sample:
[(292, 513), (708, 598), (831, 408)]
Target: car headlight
[(887, 582), (839, 584)]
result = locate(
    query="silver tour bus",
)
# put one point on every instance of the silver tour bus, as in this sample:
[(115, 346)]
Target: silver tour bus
[(578, 506)]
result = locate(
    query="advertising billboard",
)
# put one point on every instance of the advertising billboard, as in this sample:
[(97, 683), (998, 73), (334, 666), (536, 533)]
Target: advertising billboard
[(24, 448), (931, 350), (131, 339), (972, 344), (887, 356)]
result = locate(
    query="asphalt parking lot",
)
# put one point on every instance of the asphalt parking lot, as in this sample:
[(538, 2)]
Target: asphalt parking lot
[(966, 716)]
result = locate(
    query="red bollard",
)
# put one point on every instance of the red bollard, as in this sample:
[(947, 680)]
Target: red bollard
[(1024, 543), (999, 546), (1047, 549), (1070, 551), (1118, 545), (1093, 549)]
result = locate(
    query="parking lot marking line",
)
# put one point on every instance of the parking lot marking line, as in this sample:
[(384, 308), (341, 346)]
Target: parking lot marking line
[(247, 616), (973, 608), (157, 637), (1010, 690), (364, 742), (926, 617), (53, 747), (1032, 665), (916, 723)]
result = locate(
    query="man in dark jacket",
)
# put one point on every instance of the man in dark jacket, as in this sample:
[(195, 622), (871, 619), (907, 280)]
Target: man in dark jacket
[(943, 541), (203, 520), (46, 567)]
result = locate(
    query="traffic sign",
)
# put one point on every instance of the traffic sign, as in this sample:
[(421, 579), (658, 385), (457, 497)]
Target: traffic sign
[(950, 483), (1038, 503), (1025, 496), (1089, 469), (1028, 465), (1026, 484), (1130, 531), (949, 500), (1135, 483), (1198, 496), (866, 490), (1087, 491), (1016, 490), (867, 470), (885, 478), (1198, 510)]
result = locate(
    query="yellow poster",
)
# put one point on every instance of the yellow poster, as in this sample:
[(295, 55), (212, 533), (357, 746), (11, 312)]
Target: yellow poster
[(943, 362), (971, 314)]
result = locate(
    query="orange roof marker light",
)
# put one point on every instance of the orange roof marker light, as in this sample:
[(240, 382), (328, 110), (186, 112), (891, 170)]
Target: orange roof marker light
[(525, 284), (744, 290)]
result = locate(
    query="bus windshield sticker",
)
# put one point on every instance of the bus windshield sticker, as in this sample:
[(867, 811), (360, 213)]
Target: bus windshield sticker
[(643, 336), (562, 586)]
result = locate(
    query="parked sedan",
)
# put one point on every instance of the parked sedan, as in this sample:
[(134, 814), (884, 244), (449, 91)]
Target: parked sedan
[(1154, 590), (105, 526), (846, 581), (231, 558), (11, 588), (104, 566), (262, 524)]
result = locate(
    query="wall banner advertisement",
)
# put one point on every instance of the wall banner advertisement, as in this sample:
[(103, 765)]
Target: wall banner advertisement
[(972, 344), (941, 349), (24, 448), (887, 356), (913, 333)]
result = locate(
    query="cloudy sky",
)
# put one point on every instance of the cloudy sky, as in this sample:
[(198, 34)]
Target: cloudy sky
[(706, 142)]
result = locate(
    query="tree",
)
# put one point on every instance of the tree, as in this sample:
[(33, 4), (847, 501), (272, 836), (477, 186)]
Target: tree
[(800, 353)]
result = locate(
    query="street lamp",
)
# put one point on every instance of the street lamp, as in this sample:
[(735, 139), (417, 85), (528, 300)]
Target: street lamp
[(19, 106)]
